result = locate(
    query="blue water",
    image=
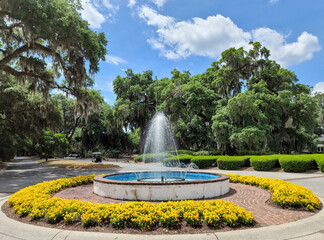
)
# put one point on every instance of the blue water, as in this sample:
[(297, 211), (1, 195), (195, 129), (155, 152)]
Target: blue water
[(156, 176)]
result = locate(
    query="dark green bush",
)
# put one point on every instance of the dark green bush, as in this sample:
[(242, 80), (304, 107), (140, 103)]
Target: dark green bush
[(320, 164), (188, 152), (264, 163), (232, 162), (201, 153), (172, 161), (204, 161), (297, 163), (319, 158), (151, 157), (252, 152)]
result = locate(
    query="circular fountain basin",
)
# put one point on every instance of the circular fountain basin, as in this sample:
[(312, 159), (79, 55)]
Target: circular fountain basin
[(161, 186)]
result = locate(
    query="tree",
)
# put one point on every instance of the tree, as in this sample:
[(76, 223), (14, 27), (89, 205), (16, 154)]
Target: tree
[(51, 144), (135, 103), (22, 117), (35, 32)]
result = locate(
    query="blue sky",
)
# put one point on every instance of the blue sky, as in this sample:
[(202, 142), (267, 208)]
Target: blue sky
[(161, 35)]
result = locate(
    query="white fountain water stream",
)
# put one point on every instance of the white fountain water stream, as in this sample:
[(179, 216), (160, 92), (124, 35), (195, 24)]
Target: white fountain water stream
[(159, 141)]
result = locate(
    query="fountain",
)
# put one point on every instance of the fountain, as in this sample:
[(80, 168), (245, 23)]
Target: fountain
[(157, 184)]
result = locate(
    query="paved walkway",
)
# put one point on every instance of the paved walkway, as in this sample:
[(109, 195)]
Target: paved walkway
[(27, 172)]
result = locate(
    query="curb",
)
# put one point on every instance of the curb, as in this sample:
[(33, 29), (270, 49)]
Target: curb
[(308, 228)]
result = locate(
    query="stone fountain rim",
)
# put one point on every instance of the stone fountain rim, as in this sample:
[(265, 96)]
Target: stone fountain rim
[(101, 178)]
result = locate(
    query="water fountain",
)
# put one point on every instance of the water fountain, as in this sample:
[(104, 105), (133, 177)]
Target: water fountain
[(159, 184)]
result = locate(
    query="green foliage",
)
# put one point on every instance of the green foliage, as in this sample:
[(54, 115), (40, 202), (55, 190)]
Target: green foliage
[(172, 161), (152, 157), (204, 161), (187, 152), (51, 144), (319, 158), (232, 162), (297, 163), (53, 31), (201, 153), (263, 163), (252, 152), (320, 164)]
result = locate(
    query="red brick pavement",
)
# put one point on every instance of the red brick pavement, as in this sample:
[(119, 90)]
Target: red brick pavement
[(252, 198)]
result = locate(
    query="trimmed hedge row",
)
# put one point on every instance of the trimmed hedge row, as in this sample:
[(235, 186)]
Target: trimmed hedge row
[(289, 163), (295, 163), (172, 161), (180, 152), (264, 163), (204, 161), (232, 162), (149, 157)]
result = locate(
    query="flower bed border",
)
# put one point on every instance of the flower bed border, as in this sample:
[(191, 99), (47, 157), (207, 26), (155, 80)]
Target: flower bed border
[(36, 202)]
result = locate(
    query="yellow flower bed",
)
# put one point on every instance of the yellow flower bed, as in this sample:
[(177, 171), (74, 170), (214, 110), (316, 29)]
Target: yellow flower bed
[(36, 202), (285, 194)]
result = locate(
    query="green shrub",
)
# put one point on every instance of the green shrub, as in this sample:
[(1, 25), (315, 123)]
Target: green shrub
[(264, 163), (297, 163), (232, 162), (319, 158), (201, 153), (181, 152), (320, 164), (151, 157), (252, 152), (204, 161), (172, 161)]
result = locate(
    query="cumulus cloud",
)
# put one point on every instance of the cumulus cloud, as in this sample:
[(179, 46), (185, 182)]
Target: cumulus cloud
[(287, 54), (159, 3), (209, 37), (131, 3), (154, 19), (318, 88), (96, 12), (273, 1), (91, 14), (111, 59)]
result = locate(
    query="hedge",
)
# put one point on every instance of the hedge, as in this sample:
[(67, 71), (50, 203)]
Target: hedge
[(172, 161), (180, 152), (297, 163), (319, 159), (264, 163), (149, 157), (204, 161), (201, 153), (232, 162)]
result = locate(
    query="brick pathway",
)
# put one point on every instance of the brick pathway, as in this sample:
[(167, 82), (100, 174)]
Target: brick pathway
[(252, 198)]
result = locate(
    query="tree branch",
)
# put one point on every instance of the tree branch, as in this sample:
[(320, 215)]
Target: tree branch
[(15, 54), (19, 74), (11, 26)]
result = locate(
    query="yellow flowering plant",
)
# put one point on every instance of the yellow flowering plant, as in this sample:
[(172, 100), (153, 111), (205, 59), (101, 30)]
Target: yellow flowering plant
[(36, 202)]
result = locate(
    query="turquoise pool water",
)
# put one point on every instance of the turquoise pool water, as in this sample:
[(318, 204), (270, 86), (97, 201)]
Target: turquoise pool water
[(156, 176)]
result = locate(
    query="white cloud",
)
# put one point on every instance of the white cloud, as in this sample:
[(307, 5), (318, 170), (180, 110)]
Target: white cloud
[(287, 54), (91, 14), (111, 59), (96, 12), (273, 1), (209, 37), (131, 3), (318, 88), (159, 3), (153, 18)]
